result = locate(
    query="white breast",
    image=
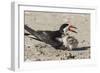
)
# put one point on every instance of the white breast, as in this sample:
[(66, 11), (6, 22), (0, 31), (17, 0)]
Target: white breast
[(59, 39), (64, 39)]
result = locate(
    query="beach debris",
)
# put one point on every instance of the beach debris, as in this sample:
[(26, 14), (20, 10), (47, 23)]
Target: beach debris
[(38, 60), (62, 58), (28, 46), (70, 56), (57, 55)]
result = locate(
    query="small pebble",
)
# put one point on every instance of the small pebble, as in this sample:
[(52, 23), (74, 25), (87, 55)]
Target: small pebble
[(57, 55), (70, 56), (83, 41), (62, 58), (28, 46), (38, 60)]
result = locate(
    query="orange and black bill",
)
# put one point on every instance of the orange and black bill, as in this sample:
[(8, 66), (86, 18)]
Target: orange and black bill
[(71, 28)]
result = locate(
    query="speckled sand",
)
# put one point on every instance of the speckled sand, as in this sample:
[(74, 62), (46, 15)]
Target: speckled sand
[(38, 51)]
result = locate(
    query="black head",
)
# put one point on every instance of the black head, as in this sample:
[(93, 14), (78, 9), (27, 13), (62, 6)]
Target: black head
[(62, 27), (67, 27)]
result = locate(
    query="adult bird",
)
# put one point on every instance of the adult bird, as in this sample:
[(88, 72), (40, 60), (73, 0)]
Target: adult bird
[(53, 38)]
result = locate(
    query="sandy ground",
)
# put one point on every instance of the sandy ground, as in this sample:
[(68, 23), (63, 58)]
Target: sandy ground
[(38, 51)]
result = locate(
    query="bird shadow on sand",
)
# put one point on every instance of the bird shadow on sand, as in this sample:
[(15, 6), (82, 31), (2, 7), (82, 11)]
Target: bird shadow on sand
[(81, 48)]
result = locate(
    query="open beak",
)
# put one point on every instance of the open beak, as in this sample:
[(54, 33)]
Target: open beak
[(71, 28)]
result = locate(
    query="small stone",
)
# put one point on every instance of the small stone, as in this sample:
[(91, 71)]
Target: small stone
[(38, 60), (57, 55), (70, 56), (62, 58), (28, 46)]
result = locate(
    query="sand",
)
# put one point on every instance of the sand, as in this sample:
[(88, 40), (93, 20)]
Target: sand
[(39, 51)]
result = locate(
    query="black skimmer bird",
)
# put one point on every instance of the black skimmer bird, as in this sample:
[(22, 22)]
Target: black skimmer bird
[(54, 38)]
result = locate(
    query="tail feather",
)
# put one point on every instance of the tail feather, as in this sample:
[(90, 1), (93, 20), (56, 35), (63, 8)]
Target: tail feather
[(27, 34), (30, 30)]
